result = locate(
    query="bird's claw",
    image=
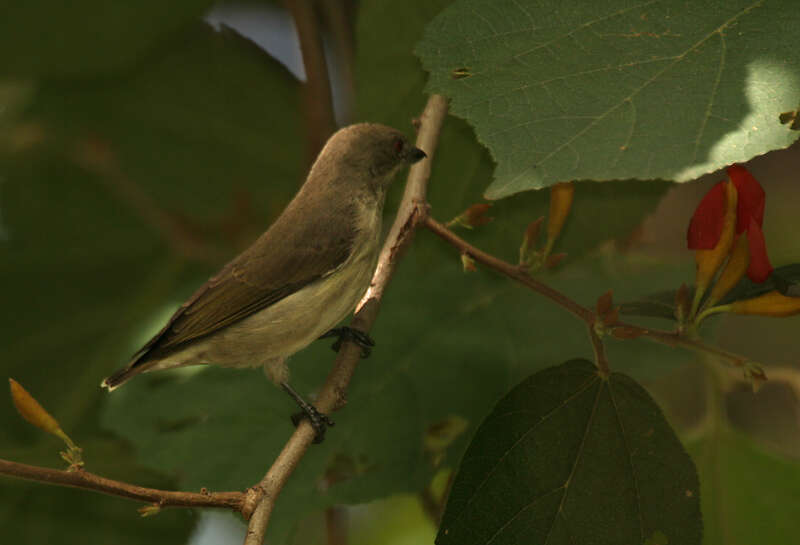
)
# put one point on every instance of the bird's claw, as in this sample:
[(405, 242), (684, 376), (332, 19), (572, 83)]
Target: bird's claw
[(358, 337), (319, 421)]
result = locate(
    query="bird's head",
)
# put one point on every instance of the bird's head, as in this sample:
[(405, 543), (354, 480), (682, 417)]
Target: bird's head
[(369, 151)]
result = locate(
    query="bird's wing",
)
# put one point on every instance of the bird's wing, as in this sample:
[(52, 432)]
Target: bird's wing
[(283, 260)]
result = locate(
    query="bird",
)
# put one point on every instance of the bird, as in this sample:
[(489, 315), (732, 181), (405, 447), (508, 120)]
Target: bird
[(299, 279)]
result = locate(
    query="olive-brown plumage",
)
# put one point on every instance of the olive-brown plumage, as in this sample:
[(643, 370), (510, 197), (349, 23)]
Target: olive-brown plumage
[(297, 280)]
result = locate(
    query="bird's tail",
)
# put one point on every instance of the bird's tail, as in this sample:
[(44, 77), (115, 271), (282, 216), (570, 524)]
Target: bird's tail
[(138, 365), (141, 363), (120, 377)]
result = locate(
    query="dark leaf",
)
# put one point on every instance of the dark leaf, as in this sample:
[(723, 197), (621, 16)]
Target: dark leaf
[(567, 457), (785, 279)]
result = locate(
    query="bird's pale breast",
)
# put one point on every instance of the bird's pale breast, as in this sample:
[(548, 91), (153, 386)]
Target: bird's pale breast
[(289, 325)]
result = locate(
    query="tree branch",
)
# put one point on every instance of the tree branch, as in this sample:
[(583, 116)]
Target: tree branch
[(90, 481), (512, 271), (320, 121), (631, 331), (332, 395), (339, 15)]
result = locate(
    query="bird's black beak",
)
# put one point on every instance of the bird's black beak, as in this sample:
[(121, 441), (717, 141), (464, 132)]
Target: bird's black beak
[(414, 155)]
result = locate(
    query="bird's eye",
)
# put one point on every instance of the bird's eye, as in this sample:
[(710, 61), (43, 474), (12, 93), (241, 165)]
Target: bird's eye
[(398, 145)]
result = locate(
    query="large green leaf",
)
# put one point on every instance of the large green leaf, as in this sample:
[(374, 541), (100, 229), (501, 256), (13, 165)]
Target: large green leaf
[(390, 87), (563, 90), (569, 457), (50, 37)]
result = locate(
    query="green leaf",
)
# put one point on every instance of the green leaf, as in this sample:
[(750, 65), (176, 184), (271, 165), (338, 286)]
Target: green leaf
[(51, 38), (785, 279), (618, 89), (569, 457), (745, 491), (462, 167)]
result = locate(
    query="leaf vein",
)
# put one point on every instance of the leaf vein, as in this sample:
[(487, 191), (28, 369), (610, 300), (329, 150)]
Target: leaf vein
[(572, 396)]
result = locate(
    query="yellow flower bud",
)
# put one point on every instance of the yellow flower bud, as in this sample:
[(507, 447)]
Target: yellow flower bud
[(733, 272), (561, 196), (772, 303), (709, 261), (31, 410)]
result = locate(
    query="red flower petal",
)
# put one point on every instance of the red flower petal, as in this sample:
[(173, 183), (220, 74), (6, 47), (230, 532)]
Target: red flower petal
[(760, 267), (705, 229), (751, 198)]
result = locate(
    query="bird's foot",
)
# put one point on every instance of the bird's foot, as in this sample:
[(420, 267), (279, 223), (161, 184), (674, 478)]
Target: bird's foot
[(345, 333), (319, 421)]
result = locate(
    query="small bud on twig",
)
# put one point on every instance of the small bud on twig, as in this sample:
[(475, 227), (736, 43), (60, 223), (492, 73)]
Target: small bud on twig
[(528, 256), (474, 216), (604, 303), (32, 411), (682, 302), (755, 375), (468, 263), (553, 260), (149, 510), (561, 196)]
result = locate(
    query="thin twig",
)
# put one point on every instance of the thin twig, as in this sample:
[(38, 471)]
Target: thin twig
[(320, 120), (671, 338), (339, 17), (600, 359), (514, 272), (413, 204), (332, 394), (90, 481)]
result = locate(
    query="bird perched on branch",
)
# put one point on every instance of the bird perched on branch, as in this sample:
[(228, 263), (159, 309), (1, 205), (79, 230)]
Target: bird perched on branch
[(299, 279)]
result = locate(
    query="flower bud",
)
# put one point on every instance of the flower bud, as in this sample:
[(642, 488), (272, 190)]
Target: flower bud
[(474, 216), (31, 410), (709, 261), (561, 196), (527, 252), (468, 263), (772, 303), (733, 272)]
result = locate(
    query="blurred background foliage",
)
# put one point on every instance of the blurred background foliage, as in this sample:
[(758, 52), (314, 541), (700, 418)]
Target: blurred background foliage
[(141, 146)]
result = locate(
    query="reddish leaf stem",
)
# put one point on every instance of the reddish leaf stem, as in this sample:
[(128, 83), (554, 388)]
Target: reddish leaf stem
[(515, 272)]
